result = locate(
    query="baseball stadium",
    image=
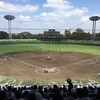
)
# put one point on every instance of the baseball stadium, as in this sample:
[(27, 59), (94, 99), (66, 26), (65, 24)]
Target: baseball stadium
[(49, 50)]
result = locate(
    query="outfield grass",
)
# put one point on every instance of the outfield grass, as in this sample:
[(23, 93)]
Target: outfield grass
[(55, 47)]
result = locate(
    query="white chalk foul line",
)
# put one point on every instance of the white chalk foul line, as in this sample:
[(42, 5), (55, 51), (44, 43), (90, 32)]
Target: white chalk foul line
[(80, 62), (22, 62)]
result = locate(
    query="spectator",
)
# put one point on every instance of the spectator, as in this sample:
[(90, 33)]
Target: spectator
[(70, 85), (97, 96), (32, 96), (56, 92), (2, 95), (25, 95), (46, 94), (82, 94)]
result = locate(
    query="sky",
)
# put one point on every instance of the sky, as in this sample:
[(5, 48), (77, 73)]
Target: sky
[(46, 14)]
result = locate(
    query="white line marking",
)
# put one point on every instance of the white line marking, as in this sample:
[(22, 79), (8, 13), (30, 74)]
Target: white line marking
[(58, 71), (22, 62), (80, 62)]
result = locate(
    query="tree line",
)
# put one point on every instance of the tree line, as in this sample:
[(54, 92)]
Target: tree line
[(78, 34)]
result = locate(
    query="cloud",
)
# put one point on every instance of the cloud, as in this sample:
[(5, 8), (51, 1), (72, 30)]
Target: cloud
[(62, 9), (85, 18), (8, 7), (49, 16), (58, 4), (24, 18), (53, 13)]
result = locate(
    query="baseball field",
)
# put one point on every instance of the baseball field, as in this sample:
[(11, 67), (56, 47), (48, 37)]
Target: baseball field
[(41, 63)]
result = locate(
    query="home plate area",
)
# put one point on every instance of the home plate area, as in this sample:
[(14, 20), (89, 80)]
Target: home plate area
[(47, 71)]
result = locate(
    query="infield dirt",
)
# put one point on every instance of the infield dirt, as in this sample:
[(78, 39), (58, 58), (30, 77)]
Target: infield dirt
[(30, 65)]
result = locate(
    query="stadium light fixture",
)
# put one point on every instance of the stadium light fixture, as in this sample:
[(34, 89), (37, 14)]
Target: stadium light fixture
[(94, 19), (9, 18)]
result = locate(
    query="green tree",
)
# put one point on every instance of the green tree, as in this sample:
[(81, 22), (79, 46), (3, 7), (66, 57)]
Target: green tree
[(14, 36), (98, 36), (25, 35), (4, 35), (79, 34), (67, 34)]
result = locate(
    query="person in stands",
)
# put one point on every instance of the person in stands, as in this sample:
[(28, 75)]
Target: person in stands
[(70, 85)]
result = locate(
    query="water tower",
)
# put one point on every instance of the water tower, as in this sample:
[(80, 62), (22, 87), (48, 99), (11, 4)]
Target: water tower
[(94, 19), (9, 18)]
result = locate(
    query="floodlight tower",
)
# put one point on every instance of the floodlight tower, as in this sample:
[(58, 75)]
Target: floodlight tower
[(9, 18), (94, 19)]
